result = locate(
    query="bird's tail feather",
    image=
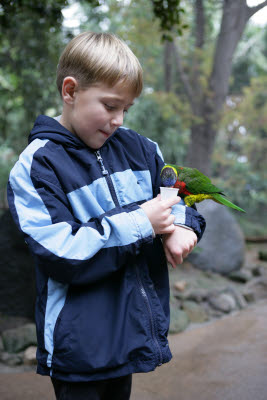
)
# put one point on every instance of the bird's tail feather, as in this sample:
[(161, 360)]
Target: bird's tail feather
[(225, 202)]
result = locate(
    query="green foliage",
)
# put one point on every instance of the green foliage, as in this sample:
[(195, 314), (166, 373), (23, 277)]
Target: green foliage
[(48, 10), (30, 42), (169, 13), (250, 59), (155, 116), (240, 155), (29, 48), (136, 25), (7, 160)]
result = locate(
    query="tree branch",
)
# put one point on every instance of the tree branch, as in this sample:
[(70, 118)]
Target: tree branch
[(200, 24), (234, 20), (197, 56), (253, 10)]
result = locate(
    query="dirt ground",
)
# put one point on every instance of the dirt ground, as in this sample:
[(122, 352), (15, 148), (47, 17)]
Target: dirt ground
[(222, 360)]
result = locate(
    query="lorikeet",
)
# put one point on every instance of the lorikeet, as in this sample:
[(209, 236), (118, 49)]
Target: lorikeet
[(194, 186)]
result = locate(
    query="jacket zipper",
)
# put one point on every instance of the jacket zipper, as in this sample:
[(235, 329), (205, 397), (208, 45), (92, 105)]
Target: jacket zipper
[(152, 322), (141, 286), (108, 178)]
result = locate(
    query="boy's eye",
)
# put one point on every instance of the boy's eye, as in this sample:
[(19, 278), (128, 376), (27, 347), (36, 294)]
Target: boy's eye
[(113, 108), (109, 107)]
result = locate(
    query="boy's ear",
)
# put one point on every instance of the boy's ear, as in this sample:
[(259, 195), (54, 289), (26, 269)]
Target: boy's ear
[(69, 87)]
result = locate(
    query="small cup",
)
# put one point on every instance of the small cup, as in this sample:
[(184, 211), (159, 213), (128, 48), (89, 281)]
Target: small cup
[(167, 192)]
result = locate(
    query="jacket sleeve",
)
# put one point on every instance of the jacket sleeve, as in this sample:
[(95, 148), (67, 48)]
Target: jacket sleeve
[(66, 249), (184, 216)]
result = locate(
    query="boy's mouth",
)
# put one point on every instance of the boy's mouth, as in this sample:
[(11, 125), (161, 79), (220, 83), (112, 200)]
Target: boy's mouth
[(104, 133)]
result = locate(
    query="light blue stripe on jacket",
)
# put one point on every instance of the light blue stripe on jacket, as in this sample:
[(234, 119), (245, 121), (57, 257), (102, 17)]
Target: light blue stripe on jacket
[(84, 201), (179, 211), (35, 220), (132, 186), (95, 199), (56, 296)]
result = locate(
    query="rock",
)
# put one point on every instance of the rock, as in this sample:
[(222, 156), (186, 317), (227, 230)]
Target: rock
[(239, 298), (29, 356), (258, 270), (20, 338), (17, 279), (223, 244), (223, 302), (249, 296), (180, 285), (1, 345), (263, 255), (256, 289), (11, 321), (11, 359), (179, 319), (198, 294), (214, 313), (179, 295), (242, 276), (195, 312)]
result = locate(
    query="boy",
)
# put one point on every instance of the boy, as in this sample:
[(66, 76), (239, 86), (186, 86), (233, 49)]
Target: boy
[(84, 192)]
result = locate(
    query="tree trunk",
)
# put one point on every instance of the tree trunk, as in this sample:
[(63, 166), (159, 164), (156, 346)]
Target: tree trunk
[(209, 106), (202, 143), (167, 66), (234, 20)]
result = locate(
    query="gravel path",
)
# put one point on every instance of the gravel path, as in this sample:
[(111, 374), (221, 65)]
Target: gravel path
[(222, 360)]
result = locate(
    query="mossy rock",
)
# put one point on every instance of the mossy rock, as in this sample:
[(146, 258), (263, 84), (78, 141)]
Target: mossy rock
[(195, 312), (20, 338), (179, 319)]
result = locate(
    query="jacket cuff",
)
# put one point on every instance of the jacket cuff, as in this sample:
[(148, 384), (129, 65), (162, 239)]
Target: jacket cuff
[(142, 223), (189, 217), (195, 221), (184, 226)]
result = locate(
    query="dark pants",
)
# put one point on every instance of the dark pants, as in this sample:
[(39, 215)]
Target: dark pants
[(109, 389)]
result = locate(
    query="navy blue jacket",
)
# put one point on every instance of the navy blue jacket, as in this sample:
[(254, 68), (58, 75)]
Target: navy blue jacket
[(102, 308)]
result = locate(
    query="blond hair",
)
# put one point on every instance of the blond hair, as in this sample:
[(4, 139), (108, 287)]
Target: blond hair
[(93, 58)]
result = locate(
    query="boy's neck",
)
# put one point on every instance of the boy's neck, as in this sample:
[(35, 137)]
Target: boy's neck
[(64, 120)]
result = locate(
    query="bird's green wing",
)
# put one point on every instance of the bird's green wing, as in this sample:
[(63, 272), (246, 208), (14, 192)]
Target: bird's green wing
[(196, 182)]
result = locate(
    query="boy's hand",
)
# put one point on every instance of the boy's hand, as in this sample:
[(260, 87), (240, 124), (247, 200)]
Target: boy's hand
[(178, 245), (159, 214)]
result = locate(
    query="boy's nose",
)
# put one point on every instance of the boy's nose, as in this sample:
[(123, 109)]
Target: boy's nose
[(117, 119)]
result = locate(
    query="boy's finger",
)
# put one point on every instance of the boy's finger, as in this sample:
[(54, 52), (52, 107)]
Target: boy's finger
[(155, 199), (169, 229), (170, 220), (169, 258), (178, 259), (170, 202)]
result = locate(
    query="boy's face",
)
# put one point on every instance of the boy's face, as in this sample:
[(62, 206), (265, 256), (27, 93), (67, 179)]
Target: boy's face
[(95, 113)]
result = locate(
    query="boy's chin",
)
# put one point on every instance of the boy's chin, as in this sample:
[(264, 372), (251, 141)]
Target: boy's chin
[(95, 145)]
